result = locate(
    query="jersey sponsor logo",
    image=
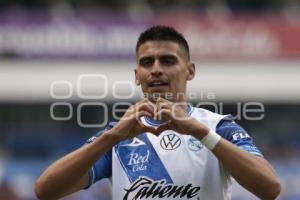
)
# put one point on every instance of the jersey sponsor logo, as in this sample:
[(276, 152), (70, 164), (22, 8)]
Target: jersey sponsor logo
[(135, 143), (144, 188), (194, 144), (138, 162), (141, 160), (239, 136), (170, 142)]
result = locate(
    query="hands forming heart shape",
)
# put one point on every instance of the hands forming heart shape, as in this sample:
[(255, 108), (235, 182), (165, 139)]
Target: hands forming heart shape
[(173, 114)]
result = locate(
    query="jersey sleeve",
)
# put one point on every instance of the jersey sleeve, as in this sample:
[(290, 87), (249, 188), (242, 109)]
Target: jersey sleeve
[(103, 166), (235, 134)]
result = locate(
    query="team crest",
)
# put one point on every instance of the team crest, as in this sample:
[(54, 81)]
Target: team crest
[(194, 144)]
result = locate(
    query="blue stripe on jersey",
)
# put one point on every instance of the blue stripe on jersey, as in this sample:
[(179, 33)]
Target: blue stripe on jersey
[(103, 167), (141, 160), (235, 134)]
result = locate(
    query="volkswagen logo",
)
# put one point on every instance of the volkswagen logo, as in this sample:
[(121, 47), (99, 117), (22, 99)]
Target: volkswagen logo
[(170, 141)]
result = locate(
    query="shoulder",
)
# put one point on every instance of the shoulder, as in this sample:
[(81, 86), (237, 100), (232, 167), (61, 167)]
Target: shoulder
[(205, 112), (230, 129), (237, 135), (109, 126), (209, 118)]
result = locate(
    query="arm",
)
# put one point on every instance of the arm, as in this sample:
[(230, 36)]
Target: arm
[(252, 172), (235, 134), (70, 173)]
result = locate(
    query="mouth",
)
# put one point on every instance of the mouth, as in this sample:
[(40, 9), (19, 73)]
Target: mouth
[(158, 83)]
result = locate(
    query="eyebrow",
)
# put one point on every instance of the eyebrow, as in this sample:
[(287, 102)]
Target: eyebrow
[(168, 56), (160, 56), (145, 57)]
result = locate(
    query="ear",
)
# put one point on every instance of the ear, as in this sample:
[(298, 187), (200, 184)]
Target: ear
[(191, 71), (137, 80)]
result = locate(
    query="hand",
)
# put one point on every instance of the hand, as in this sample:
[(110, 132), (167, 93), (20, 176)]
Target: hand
[(177, 119), (130, 125)]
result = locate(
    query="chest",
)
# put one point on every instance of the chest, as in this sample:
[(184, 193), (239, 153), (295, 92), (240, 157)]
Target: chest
[(170, 156)]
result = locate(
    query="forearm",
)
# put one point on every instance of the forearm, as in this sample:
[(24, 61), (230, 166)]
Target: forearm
[(252, 172), (65, 174)]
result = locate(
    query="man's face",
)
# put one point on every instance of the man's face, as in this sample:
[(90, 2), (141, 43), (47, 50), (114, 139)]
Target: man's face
[(163, 68)]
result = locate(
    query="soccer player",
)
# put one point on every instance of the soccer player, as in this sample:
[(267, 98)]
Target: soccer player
[(162, 147)]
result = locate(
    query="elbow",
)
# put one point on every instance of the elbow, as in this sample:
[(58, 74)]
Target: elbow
[(40, 190), (272, 192)]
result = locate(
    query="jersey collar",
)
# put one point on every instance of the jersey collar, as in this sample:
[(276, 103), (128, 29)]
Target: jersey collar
[(154, 122)]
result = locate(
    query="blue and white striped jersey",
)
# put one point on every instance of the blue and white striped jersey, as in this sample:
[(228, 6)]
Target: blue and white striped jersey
[(171, 165)]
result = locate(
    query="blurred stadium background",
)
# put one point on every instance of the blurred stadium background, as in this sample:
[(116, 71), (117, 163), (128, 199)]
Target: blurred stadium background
[(245, 50)]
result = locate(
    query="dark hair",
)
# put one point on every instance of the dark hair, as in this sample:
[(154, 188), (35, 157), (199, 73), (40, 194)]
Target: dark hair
[(162, 33)]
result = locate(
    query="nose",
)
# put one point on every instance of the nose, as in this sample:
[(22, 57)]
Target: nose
[(156, 69)]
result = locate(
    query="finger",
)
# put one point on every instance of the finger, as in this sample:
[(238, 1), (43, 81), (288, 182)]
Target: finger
[(144, 100), (159, 101), (145, 104), (162, 100), (139, 103), (162, 103), (147, 107), (159, 107), (148, 102), (164, 114)]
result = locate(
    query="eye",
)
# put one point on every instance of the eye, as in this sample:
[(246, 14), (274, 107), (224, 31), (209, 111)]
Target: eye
[(168, 60), (146, 62)]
